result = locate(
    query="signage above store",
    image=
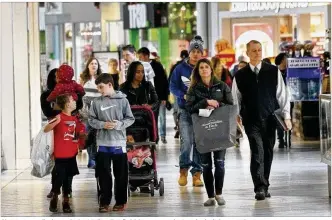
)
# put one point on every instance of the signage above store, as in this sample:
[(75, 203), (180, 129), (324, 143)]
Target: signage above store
[(137, 16), (266, 6), (145, 15)]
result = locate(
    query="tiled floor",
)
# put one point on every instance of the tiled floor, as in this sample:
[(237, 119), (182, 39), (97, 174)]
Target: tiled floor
[(298, 188)]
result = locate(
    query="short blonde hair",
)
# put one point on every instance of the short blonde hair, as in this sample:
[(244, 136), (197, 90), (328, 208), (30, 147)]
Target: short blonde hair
[(112, 60), (252, 42)]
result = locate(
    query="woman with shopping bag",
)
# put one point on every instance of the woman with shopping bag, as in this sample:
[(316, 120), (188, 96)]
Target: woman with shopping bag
[(206, 94)]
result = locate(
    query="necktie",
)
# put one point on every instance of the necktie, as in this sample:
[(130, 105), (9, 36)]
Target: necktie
[(256, 70)]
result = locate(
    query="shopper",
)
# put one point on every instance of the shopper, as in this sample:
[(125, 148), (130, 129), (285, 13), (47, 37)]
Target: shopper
[(184, 54), (91, 72), (129, 55), (259, 90), (281, 62), (65, 128), (110, 114), (220, 71), (138, 90), (162, 89), (179, 84), (50, 110), (115, 73), (235, 67), (208, 92)]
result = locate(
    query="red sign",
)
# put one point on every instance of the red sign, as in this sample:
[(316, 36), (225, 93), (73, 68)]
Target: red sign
[(227, 59)]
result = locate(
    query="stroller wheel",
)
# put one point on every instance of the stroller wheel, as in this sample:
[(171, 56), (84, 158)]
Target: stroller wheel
[(152, 188), (161, 187)]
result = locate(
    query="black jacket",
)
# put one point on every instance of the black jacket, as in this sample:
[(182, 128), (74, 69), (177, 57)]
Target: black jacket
[(258, 93), (198, 95), (145, 94), (47, 107), (160, 80)]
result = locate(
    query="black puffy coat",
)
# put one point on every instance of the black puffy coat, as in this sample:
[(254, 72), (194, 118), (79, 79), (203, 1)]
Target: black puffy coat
[(145, 94), (198, 95)]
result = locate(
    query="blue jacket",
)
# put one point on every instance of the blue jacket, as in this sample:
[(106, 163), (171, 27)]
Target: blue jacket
[(180, 82)]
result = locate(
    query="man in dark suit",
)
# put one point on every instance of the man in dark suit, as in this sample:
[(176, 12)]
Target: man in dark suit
[(259, 90)]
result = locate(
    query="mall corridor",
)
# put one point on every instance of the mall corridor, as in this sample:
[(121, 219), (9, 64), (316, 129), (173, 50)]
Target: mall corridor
[(298, 188)]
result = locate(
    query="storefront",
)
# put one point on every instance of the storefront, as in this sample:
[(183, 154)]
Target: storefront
[(165, 28), (273, 23), (73, 32)]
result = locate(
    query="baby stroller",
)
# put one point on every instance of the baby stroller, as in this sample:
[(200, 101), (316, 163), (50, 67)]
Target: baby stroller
[(141, 152)]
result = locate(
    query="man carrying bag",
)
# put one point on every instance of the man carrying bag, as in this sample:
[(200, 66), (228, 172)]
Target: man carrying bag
[(207, 93)]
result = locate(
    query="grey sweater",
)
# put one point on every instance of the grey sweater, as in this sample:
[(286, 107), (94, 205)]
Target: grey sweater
[(106, 109)]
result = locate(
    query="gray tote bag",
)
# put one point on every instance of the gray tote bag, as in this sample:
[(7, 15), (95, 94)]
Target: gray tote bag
[(216, 132)]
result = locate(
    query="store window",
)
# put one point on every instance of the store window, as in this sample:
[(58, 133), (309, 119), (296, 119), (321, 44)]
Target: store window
[(87, 40), (243, 33), (115, 35), (182, 19)]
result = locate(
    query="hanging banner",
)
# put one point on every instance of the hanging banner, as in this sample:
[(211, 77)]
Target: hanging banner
[(304, 78)]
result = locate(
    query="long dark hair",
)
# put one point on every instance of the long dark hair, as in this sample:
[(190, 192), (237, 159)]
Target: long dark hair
[(195, 77), (216, 61), (51, 79), (132, 72), (85, 76)]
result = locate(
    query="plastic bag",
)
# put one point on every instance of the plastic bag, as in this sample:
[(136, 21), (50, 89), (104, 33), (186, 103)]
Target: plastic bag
[(42, 154)]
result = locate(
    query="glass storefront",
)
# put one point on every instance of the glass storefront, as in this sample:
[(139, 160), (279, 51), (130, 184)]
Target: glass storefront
[(87, 39)]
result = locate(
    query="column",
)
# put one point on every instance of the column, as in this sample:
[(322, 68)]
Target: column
[(20, 82), (134, 38), (213, 26), (8, 140), (21, 85), (163, 41), (34, 68), (202, 22)]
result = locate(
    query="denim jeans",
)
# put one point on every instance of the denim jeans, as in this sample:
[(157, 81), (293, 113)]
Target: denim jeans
[(187, 143), (219, 172), (162, 120), (91, 147), (175, 112)]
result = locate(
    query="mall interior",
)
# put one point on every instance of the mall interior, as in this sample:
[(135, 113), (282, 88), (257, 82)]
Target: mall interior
[(37, 37)]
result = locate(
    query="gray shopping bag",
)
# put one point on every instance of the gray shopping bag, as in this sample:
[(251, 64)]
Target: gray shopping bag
[(216, 132)]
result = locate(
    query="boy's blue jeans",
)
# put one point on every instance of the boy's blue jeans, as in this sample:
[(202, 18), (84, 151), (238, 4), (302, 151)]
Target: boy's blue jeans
[(91, 147), (188, 143), (162, 120)]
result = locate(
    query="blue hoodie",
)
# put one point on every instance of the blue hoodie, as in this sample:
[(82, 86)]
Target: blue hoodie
[(180, 82)]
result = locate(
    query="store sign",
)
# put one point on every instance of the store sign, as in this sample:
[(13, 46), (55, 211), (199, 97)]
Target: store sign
[(137, 16), (303, 63), (266, 6), (90, 33), (148, 15)]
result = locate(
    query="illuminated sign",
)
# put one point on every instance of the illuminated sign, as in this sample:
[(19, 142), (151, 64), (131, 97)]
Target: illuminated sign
[(266, 6), (137, 16)]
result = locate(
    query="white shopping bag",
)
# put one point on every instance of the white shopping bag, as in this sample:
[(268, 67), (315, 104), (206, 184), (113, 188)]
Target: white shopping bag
[(42, 154)]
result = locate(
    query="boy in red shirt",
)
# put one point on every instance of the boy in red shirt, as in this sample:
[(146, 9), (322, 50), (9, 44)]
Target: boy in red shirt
[(66, 128)]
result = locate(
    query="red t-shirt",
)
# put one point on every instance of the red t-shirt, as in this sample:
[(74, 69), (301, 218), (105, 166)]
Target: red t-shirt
[(65, 136)]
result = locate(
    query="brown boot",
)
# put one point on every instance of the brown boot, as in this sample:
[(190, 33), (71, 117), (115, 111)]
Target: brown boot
[(197, 182), (183, 177), (66, 205)]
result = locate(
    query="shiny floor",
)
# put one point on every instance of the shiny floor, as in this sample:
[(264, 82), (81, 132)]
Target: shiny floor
[(298, 188)]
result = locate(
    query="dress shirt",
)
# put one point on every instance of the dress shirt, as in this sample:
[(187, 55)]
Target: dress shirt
[(282, 94)]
